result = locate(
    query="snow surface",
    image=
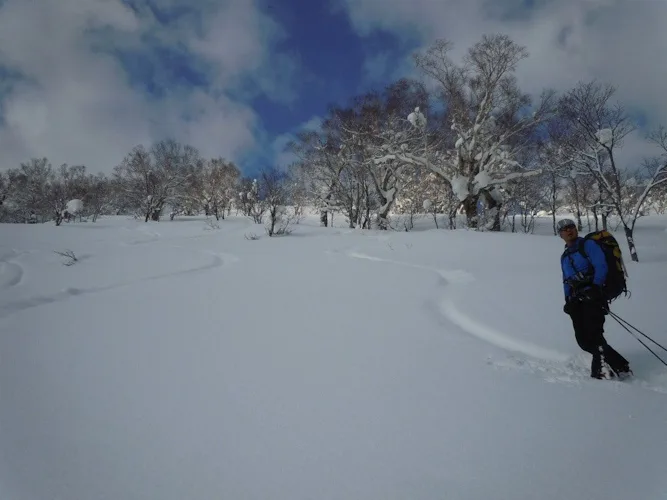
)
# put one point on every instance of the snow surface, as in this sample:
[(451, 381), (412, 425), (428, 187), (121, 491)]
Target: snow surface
[(173, 361)]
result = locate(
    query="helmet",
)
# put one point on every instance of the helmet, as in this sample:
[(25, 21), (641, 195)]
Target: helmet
[(562, 224)]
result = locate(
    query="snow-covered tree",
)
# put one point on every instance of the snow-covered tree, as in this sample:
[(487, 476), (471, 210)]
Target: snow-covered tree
[(379, 130), (151, 179), (597, 129), (4, 192), (251, 201), (66, 184), (428, 194), (98, 197), (487, 113), (653, 178), (29, 195), (525, 197), (275, 191), (212, 185), (322, 167)]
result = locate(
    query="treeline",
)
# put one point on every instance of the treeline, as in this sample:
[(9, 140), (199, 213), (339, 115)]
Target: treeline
[(167, 179), (465, 141), (469, 140)]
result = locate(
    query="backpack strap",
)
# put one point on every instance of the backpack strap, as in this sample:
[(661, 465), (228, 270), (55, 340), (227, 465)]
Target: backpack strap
[(580, 248)]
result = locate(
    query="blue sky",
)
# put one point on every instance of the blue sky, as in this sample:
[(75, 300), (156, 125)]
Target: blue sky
[(236, 78), (325, 60)]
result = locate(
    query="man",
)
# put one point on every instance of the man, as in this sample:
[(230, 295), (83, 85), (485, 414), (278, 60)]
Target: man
[(585, 303)]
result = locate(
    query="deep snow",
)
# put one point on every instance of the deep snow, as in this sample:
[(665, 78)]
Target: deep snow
[(176, 361)]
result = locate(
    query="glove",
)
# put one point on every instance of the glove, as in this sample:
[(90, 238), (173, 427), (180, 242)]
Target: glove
[(593, 294)]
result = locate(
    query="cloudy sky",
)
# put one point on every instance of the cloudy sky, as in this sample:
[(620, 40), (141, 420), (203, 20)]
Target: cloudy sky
[(83, 81)]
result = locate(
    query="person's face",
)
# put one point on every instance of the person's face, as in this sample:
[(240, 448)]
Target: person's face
[(569, 233)]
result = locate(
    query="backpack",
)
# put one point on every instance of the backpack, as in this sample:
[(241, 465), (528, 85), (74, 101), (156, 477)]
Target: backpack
[(615, 283)]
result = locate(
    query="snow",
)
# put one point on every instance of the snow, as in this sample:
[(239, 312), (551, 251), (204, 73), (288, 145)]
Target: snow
[(74, 206), (417, 118), (173, 362), (459, 143), (605, 136), (482, 179), (460, 187)]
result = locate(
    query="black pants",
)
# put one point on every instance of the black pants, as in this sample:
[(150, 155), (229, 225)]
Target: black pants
[(588, 320)]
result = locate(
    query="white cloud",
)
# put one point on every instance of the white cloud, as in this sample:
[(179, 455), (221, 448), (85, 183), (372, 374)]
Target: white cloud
[(618, 41), (283, 158), (75, 103), (376, 67), (382, 67)]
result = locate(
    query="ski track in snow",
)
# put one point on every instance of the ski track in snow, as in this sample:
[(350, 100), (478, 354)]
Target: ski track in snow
[(484, 332), (468, 324), (11, 273), (552, 365), (153, 236), (219, 260), (457, 276)]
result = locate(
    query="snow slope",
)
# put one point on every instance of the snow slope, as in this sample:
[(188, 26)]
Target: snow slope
[(175, 361)]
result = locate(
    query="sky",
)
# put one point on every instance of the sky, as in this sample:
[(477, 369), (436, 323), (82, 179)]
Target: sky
[(84, 81)]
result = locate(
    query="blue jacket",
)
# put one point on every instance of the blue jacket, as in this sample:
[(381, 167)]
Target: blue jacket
[(572, 256)]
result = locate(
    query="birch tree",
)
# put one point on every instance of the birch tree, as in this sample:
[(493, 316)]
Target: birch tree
[(486, 110), (212, 185), (379, 133), (597, 130), (320, 165), (149, 179)]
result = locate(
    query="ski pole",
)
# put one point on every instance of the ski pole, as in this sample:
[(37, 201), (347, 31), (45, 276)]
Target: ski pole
[(640, 340), (624, 322)]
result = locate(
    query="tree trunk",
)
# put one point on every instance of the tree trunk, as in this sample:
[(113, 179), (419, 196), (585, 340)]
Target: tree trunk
[(381, 218), (631, 243), (470, 208), (351, 217), (595, 218), (273, 219), (577, 205), (452, 218), (492, 205), (324, 218), (554, 201)]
